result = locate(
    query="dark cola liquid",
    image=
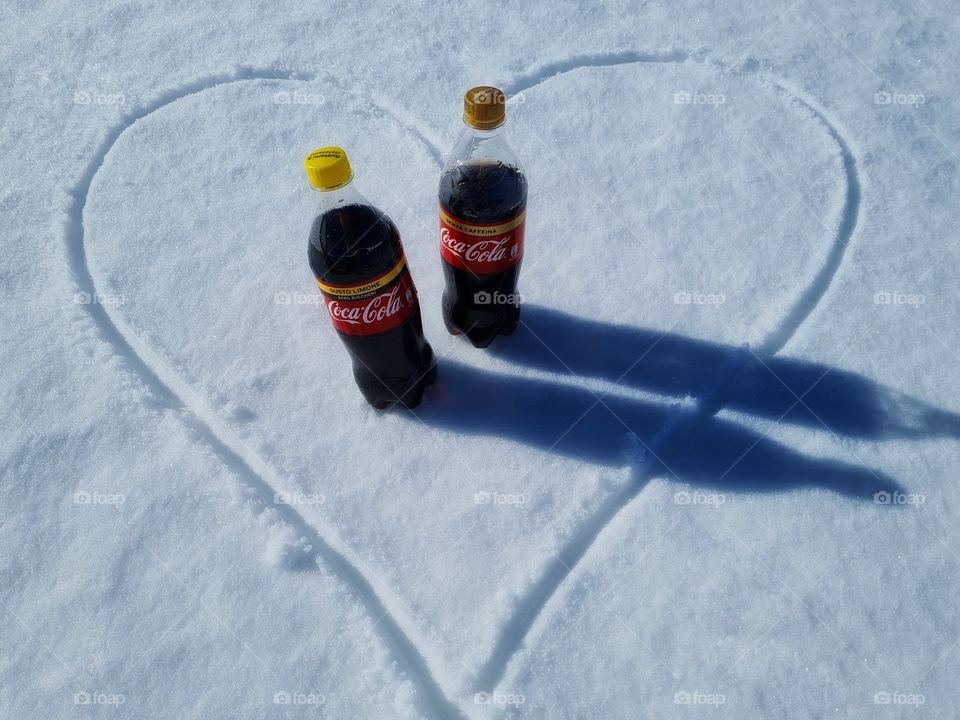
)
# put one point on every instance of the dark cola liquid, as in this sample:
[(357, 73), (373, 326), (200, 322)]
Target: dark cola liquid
[(482, 193), (354, 244)]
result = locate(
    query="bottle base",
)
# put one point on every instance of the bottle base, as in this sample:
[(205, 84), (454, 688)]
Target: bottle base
[(413, 395), (481, 337)]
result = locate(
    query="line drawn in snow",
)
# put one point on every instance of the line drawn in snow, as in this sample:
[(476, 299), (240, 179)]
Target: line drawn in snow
[(731, 371), (688, 443), (173, 393)]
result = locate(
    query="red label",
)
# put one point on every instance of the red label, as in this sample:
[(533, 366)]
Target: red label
[(372, 307), (481, 249)]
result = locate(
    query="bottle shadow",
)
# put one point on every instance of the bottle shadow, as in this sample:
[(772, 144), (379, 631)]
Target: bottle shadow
[(833, 400), (720, 453)]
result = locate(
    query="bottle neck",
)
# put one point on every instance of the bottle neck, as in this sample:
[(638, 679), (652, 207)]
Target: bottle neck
[(340, 197), (478, 145), (485, 134)]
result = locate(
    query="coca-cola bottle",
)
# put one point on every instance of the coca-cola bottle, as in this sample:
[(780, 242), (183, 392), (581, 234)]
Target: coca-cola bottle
[(483, 200), (357, 258)]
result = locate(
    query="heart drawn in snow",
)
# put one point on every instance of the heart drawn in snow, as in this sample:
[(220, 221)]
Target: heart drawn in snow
[(198, 215)]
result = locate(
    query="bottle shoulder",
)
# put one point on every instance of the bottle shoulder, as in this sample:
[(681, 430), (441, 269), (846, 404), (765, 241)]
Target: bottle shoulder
[(483, 192), (352, 242), (482, 146)]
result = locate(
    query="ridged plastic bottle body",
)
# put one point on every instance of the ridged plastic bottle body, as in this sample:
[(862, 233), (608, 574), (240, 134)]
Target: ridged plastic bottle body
[(482, 197), (357, 257)]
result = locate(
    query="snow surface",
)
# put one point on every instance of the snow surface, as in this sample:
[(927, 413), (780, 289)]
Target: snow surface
[(664, 497)]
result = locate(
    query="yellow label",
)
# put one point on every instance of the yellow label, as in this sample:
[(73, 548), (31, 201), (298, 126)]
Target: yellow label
[(350, 291), (482, 230)]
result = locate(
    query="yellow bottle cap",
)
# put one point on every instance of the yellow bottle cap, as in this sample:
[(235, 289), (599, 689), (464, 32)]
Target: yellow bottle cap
[(328, 168), (484, 107)]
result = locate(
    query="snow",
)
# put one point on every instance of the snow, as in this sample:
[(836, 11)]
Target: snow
[(658, 499)]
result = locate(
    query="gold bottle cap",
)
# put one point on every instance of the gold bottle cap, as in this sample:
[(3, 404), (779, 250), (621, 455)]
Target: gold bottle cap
[(484, 107)]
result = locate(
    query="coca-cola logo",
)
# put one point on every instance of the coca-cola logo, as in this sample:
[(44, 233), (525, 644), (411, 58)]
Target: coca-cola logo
[(378, 309), (387, 303), (482, 251)]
